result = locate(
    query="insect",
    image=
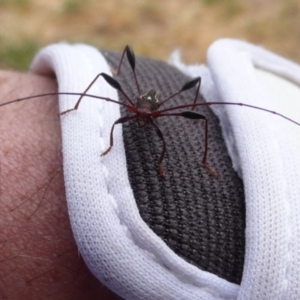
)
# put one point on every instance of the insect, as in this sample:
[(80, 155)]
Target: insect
[(148, 107)]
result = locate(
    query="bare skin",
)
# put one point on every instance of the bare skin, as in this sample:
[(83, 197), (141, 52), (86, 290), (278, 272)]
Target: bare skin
[(38, 255)]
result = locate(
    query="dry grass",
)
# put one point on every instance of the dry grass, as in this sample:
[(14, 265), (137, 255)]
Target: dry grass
[(152, 27)]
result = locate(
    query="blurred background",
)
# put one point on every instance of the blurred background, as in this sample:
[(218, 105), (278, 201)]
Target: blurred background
[(152, 27)]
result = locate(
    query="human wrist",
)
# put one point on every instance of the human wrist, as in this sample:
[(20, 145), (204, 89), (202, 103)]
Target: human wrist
[(38, 254)]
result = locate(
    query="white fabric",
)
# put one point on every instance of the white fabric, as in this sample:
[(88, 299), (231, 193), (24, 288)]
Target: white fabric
[(116, 244), (266, 152), (118, 247)]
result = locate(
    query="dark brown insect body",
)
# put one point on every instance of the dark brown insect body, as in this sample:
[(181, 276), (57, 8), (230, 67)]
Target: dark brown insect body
[(146, 105)]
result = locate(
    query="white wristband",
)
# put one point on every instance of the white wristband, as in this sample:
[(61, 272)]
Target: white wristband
[(116, 244)]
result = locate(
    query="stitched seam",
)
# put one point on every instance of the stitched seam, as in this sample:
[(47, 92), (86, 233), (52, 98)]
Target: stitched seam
[(288, 255)]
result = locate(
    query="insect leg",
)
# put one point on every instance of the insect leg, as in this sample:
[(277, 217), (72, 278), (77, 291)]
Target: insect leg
[(111, 81), (80, 98), (188, 85), (131, 59), (119, 121), (196, 116), (159, 133)]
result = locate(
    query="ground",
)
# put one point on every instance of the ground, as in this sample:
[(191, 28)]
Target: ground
[(153, 28)]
